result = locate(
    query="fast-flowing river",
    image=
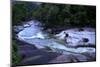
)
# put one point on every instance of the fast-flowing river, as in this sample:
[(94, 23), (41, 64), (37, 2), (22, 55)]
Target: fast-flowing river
[(32, 33)]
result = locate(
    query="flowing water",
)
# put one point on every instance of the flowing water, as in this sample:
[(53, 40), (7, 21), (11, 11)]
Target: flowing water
[(33, 34)]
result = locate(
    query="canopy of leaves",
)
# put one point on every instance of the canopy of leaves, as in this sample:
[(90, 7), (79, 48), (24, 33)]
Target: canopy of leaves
[(54, 15)]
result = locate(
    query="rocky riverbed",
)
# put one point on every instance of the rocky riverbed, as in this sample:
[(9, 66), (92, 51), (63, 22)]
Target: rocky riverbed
[(32, 55), (53, 48)]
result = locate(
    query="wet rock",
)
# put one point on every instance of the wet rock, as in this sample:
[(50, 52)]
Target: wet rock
[(18, 28), (81, 29), (26, 25), (85, 46), (90, 56), (69, 58), (61, 59), (85, 39), (80, 58)]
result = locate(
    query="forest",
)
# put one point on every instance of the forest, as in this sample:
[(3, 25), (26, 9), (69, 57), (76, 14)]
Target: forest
[(54, 15)]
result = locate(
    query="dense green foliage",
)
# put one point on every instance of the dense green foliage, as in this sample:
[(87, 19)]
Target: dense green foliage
[(55, 15), (19, 13), (15, 57)]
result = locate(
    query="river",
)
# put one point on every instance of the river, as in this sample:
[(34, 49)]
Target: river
[(32, 33)]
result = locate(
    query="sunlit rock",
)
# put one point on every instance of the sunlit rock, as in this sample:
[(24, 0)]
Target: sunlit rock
[(78, 37)]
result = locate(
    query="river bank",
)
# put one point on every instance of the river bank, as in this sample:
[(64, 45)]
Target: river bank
[(36, 45), (34, 56)]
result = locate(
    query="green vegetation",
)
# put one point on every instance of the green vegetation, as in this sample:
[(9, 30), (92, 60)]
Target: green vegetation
[(15, 57), (55, 15), (19, 13)]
